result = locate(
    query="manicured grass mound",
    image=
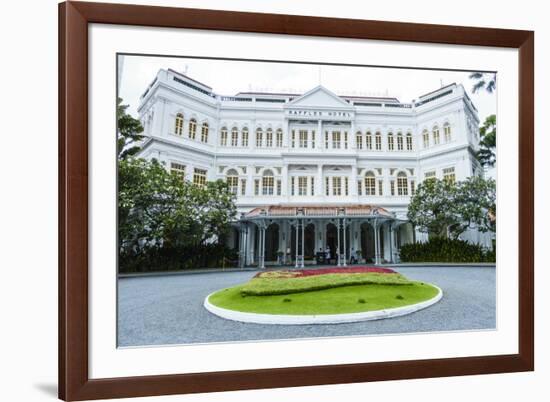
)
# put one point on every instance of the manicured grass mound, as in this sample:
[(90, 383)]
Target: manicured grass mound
[(323, 291), (339, 300), (271, 285)]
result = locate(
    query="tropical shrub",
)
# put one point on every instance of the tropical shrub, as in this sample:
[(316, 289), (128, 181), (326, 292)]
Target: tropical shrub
[(439, 249)]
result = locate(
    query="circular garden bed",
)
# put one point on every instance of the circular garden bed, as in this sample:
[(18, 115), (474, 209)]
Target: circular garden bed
[(330, 295)]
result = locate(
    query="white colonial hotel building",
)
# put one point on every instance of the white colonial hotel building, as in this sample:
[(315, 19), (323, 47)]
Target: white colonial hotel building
[(316, 170)]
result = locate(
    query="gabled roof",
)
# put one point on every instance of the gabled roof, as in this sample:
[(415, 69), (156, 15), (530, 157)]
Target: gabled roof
[(319, 96)]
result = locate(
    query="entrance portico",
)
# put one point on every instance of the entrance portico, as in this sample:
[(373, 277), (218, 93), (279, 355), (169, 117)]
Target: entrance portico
[(286, 235)]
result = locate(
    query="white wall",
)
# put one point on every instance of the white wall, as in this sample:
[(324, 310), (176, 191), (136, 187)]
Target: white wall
[(28, 286)]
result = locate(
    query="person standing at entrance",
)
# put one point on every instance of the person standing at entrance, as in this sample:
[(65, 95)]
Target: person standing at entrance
[(327, 254)]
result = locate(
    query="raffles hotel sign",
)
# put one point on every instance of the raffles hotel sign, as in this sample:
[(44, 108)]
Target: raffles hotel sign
[(319, 114)]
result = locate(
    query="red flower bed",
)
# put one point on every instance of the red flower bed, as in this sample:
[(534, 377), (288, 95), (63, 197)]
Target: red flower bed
[(312, 272)]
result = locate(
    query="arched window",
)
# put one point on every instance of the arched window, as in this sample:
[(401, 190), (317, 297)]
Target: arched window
[(425, 138), (279, 138), (436, 135), (269, 138), (192, 128), (409, 142), (368, 140), (378, 141), (234, 136), (402, 184), (359, 140), (447, 132), (244, 139), (223, 137), (204, 132), (390, 141), (399, 142), (370, 184), (268, 183), (233, 181), (259, 137), (178, 128)]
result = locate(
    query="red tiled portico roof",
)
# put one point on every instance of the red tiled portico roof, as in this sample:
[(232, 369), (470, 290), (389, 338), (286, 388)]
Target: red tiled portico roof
[(274, 211)]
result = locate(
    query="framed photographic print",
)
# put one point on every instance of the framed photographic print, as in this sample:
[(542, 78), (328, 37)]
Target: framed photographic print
[(260, 200)]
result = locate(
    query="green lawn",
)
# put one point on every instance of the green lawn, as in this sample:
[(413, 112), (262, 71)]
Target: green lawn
[(267, 286), (337, 300)]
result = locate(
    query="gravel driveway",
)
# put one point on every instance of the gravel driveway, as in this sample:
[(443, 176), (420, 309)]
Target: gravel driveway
[(161, 310)]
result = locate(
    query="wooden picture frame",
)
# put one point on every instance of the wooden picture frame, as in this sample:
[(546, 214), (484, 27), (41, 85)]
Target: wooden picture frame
[(74, 381)]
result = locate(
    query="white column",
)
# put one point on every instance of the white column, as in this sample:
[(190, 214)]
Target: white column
[(252, 244), (319, 181), (376, 245), (353, 179), (345, 244), (320, 134), (262, 249), (297, 250), (284, 181), (352, 140), (338, 250), (303, 245), (249, 180)]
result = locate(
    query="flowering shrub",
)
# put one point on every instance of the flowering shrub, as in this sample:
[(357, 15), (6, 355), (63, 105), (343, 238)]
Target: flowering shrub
[(299, 273)]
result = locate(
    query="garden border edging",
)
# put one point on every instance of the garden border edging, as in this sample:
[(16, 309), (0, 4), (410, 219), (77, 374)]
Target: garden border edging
[(288, 319)]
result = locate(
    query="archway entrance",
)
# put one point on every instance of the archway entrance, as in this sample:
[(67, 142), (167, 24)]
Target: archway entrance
[(367, 242), (332, 241), (271, 242), (309, 238)]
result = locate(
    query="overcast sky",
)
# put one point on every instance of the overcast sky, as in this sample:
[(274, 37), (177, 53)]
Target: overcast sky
[(229, 77)]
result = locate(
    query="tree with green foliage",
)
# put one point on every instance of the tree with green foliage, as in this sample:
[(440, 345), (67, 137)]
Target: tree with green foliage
[(487, 81), (129, 132), (164, 218), (430, 209), (445, 209), (488, 142)]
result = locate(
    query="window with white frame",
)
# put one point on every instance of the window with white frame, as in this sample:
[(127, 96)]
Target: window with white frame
[(243, 186), (413, 189), (429, 175), (378, 141), (268, 183), (402, 184), (346, 185), (232, 179), (449, 175), (345, 140), (279, 138), (327, 187), (409, 142), (368, 140), (425, 138), (312, 138), (178, 127), (192, 128), (292, 186), (293, 139), (447, 132), (302, 185), (390, 142), (370, 184), (259, 138), (336, 185), (199, 177), (359, 140), (380, 187), (234, 136), (435, 133), (336, 139), (223, 137), (399, 142), (326, 139), (312, 185), (269, 138), (178, 169), (204, 132), (359, 187), (303, 138), (244, 137), (279, 187)]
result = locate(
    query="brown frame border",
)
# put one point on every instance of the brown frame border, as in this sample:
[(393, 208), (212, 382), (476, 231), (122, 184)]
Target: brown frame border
[(74, 17)]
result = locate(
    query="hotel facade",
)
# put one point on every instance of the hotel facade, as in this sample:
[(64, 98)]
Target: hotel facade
[(315, 171)]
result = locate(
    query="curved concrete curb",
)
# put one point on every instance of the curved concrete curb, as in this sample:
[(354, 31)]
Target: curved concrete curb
[(286, 319)]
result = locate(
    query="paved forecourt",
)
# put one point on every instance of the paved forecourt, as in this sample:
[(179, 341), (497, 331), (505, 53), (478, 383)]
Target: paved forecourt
[(168, 309)]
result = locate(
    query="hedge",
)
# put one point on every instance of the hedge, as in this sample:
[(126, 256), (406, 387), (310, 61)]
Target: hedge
[(439, 249)]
